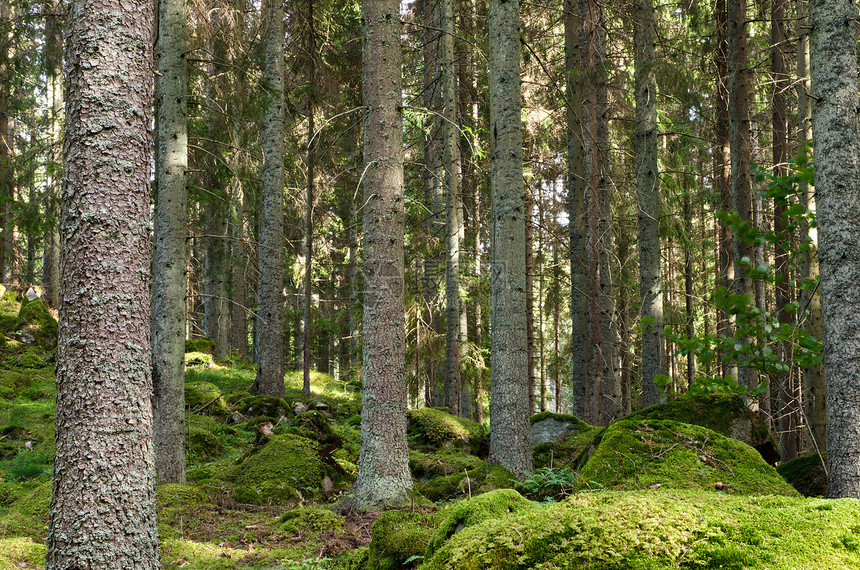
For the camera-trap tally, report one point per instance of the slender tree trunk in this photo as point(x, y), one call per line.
point(54, 90)
point(453, 348)
point(383, 471)
point(509, 405)
point(171, 215)
point(810, 302)
point(648, 192)
point(270, 318)
point(837, 146)
point(530, 300)
point(573, 63)
point(103, 504)
point(541, 288)
point(741, 155)
point(309, 209)
point(7, 142)
point(688, 280)
point(723, 176)
point(240, 259)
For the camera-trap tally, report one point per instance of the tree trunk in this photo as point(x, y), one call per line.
point(453, 348)
point(168, 278)
point(509, 406)
point(648, 192)
point(813, 378)
point(7, 140)
point(54, 89)
point(383, 471)
point(240, 259)
point(309, 210)
point(530, 300)
point(103, 504)
point(837, 146)
point(270, 298)
point(573, 64)
point(741, 156)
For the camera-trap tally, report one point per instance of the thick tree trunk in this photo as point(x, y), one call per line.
point(270, 318)
point(383, 471)
point(168, 279)
point(103, 505)
point(648, 192)
point(453, 349)
point(576, 211)
point(509, 405)
point(54, 18)
point(741, 155)
point(837, 146)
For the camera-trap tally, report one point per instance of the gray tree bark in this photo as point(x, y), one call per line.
point(270, 298)
point(103, 504)
point(453, 347)
point(54, 18)
point(837, 179)
point(648, 192)
point(168, 278)
point(307, 325)
point(576, 211)
point(509, 405)
point(383, 469)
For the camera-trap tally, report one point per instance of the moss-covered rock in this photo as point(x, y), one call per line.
point(435, 429)
point(203, 436)
point(268, 406)
point(806, 474)
point(399, 536)
point(34, 319)
point(285, 471)
point(205, 398)
point(426, 466)
point(634, 455)
point(203, 344)
point(492, 505)
point(548, 427)
point(310, 521)
point(654, 530)
point(726, 414)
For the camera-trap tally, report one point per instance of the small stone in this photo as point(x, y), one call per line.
point(32, 294)
point(299, 408)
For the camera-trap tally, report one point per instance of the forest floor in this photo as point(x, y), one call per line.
point(266, 477)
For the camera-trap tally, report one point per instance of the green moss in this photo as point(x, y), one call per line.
point(572, 452)
point(198, 359)
point(189, 555)
point(497, 478)
point(578, 423)
point(35, 319)
point(492, 505)
point(176, 505)
point(310, 521)
point(426, 466)
point(28, 515)
point(399, 536)
point(286, 470)
point(269, 406)
point(635, 455)
point(352, 560)
point(439, 430)
point(21, 552)
point(205, 397)
point(204, 345)
point(657, 530)
point(806, 474)
point(203, 436)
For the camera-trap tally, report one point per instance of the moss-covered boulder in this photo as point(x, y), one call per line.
point(493, 505)
point(268, 406)
point(434, 429)
point(286, 471)
point(34, 321)
point(653, 530)
point(204, 436)
point(426, 466)
point(482, 479)
point(806, 474)
point(638, 454)
point(726, 414)
point(547, 427)
point(205, 398)
point(203, 344)
point(310, 521)
point(399, 540)
point(572, 451)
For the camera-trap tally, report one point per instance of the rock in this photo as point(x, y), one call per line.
point(547, 427)
point(299, 408)
point(32, 295)
point(286, 471)
point(35, 323)
point(434, 429)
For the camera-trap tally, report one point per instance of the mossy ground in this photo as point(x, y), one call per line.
point(262, 480)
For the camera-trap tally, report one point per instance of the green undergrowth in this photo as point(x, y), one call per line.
point(806, 474)
point(663, 529)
